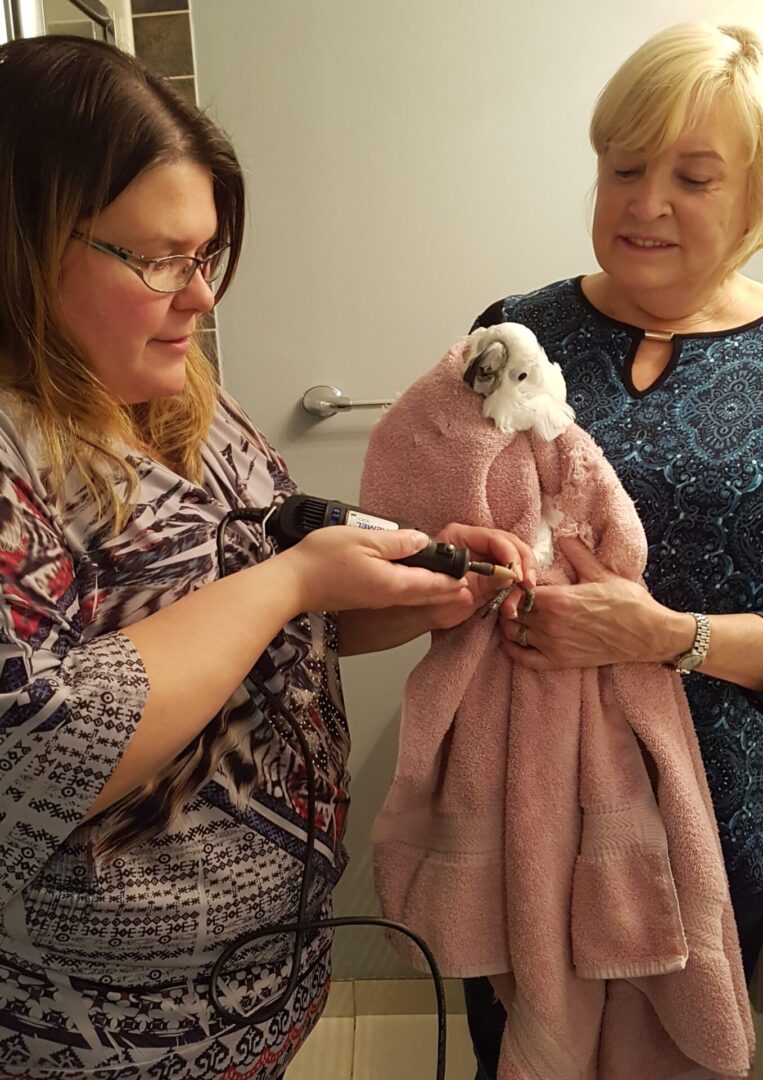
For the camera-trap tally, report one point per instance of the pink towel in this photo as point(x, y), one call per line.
point(552, 829)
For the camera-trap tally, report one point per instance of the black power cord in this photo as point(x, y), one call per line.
point(302, 924)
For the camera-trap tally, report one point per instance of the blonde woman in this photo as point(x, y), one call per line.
point(150, 812)
point(662, 351)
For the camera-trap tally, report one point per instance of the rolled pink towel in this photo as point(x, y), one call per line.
point(552, 825)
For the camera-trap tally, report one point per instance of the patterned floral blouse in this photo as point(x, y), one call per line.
point(104, 962)
point(689, 451)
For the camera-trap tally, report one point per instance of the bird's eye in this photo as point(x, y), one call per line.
point(518, 376)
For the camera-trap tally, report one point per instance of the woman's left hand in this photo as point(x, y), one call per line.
point(602, 619)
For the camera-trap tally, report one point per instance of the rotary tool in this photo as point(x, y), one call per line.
point(299, 515)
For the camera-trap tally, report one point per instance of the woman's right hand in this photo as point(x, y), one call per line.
point(343, 568)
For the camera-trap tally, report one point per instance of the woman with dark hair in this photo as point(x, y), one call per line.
point(150, 812)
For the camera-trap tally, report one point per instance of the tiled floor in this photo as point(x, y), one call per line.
point(757, 1072)
point(378, 1030)
point(328, 1052)
point(382, 1046)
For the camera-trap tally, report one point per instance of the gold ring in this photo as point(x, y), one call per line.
point(522, 637)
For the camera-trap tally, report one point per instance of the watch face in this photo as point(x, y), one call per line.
point(689, 662)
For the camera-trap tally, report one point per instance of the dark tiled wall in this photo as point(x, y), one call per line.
point(148, 7)
point(162, 30)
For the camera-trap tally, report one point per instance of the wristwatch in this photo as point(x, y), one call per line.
point(697, 654)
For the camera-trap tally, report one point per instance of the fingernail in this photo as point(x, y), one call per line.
point(532, 577)
point(420, 538)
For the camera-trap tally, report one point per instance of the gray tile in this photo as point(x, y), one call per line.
point(163, 43)
point(81, 28)
point(405, 997)
point(341, 1000)
point(145, 7)
point(186, 84)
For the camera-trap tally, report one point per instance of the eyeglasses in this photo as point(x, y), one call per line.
point(170, 274)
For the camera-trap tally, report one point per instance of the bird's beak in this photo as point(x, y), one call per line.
point(472, 371)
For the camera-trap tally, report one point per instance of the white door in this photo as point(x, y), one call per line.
point(409, 162)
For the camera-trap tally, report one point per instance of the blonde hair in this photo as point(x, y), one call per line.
point(80, 121)
point(671, 82)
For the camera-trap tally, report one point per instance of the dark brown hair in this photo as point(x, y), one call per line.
point(80, 120)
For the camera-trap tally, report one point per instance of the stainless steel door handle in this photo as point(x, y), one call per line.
point(328, 400)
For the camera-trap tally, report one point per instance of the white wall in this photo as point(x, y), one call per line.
point(409, 162)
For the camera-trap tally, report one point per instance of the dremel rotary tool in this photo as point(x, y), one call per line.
point(299, 515)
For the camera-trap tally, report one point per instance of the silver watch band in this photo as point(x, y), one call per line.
point(697, 654)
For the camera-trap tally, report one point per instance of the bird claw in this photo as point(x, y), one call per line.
point(496, 602)
point(527, 601)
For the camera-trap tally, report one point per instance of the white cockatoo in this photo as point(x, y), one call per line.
point(523, 390)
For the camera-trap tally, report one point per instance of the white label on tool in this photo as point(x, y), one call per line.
point(368, 521)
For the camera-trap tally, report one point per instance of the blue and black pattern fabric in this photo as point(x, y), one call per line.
point(689, 450)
